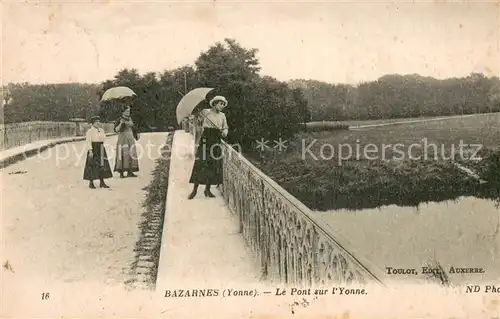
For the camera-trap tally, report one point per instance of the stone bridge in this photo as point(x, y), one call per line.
point(55, 229)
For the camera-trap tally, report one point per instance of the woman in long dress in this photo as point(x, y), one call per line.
point(126, 151)
point(207, 168)
point(96, 164)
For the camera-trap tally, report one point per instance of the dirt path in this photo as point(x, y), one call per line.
point(55, 229)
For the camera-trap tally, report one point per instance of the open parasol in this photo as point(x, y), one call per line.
point(190, 101)
point(118, 92)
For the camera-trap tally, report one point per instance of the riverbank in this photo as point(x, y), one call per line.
point(364, 168)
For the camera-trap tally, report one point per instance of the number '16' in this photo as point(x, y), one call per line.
point(45, 295)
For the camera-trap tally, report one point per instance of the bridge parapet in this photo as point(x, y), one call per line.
point(19, 134)
point(292, 245)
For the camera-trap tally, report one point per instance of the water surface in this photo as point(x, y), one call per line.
point(461, 233)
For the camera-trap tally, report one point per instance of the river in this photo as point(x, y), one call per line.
point(462, 233)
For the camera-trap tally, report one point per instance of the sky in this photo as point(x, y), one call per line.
point(336, 42)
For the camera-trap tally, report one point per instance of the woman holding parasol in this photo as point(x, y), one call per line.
point(126, 154)
point(207, 168)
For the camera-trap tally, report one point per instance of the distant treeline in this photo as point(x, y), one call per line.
point(397, 96)
point(61, 102)
point(48, 102)
point(259, 106)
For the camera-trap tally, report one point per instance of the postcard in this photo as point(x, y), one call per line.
point(250, 159)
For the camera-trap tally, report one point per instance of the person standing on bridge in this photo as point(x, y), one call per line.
point(126, 153)
point(97, 164)
point(207, 168)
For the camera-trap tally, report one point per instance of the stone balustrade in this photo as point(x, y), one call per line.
point(291, 245)
point(18, 134)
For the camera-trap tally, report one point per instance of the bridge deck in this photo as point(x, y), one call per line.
point(55, 231)
point(201, 245)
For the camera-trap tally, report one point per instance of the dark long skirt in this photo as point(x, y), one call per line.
point(97, 166)
point(207, 167)
point(126, 152)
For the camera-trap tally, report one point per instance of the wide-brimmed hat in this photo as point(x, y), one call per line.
point(218, 98)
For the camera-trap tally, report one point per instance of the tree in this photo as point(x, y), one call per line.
point(223, 66)
point(48, 102)
point(258, 107)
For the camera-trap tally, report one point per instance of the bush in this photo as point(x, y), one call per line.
point(259, 107)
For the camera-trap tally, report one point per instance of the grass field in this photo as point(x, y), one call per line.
point(381, 166)
point(481, 129)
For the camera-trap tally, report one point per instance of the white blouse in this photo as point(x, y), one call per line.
point(94, 134)
point(212, 119)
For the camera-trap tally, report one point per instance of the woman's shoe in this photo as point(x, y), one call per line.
point(91, 185)
point(121, 175)
point(130, 174)
point(192, 195)
point(103, 185)
point(209, 194)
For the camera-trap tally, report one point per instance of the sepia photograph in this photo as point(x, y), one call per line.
point(250, 159)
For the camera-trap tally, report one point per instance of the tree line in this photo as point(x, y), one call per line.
point(397, 96)
point(259, 106)
point(24, 102)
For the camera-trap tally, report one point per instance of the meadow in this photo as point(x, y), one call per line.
point(404, 164)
